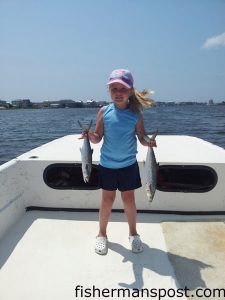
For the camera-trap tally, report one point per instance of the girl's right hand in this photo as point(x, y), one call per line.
point(83, 135)
point(94, 137)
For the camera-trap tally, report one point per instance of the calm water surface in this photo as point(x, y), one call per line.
point(23, 130)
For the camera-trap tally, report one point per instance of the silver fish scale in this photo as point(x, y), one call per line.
point(86, 155)
point(86, 151)
point(150, 174)
point(151, 168)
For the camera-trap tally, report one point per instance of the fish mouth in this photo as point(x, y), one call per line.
point(150, 192)
point(86, 179)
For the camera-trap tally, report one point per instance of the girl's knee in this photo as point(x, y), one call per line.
point(108, 196)
point(127, 195)
point(108, 200)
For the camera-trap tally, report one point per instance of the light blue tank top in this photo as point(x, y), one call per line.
point(119, 147)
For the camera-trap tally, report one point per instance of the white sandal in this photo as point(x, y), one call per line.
point(101, 245)
point(136, 243)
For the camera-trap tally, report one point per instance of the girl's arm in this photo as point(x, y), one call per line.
point(96, 136)
point(141, 133)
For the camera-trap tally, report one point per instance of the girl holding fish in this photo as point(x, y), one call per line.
point(118, 124)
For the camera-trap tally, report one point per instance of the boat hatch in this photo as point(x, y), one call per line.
point(68, 176)
point(186, 178)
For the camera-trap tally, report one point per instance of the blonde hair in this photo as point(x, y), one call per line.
point(139, 101)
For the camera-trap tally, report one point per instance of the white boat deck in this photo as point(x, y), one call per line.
point(50, 254)
point(47, 254)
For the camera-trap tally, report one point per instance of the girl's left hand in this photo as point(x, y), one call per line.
point(152, 143)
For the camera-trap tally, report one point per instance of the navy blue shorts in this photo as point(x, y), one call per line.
point(123, 179)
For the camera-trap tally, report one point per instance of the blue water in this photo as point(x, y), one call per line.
point(23, 130)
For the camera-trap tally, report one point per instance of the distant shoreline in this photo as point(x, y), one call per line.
point(27, 104)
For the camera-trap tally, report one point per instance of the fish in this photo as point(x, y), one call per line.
point(151, 168)
point(86, 153)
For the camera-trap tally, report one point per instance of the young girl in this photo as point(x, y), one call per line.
point(119, 123)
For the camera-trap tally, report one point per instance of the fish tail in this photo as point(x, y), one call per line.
point(81, 126)
point(83, 135)
point(152, 138)
point(90, 124)
point(154, 135)
point(84, 129)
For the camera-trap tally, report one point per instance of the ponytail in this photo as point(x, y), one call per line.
point(139, 101)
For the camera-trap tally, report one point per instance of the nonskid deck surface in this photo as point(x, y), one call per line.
point(50, 255)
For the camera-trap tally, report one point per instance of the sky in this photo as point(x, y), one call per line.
point(66, 49)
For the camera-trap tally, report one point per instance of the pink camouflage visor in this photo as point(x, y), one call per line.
point(121, 76)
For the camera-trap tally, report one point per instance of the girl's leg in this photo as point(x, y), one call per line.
point(131, 214)
point(108, 198)
point(130, 210)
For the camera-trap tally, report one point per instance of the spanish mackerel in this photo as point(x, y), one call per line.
point(151, 168)
point(86, 153)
